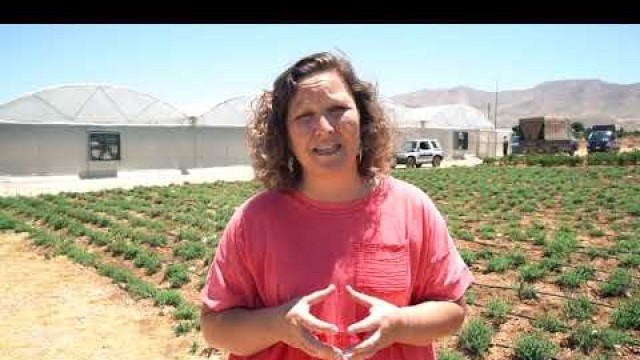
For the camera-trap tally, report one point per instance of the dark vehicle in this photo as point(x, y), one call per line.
point(516, 147)
point(603, 138)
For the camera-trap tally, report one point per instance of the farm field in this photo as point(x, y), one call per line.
point(555, 251)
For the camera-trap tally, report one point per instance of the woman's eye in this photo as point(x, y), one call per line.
point(339, 109)
point(304, 117)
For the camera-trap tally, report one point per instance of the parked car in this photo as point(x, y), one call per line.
point(416, 152)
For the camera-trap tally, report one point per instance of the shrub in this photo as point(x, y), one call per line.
point(579, 308)
point(526, 291)
point(186, 312)
point(190, 250)
point(475, 337)
point(177, 275)
point(444, 354)
point(627, 315)
point(549, 322)
point(583, 337)
point(534, 347)
point(497, 310)
point(168, 297)
point(617, 284)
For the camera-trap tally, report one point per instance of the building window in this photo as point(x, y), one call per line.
point(104, 146)
point(461, 140)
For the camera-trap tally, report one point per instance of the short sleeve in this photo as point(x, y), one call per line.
point(230, 282)
point(441, 273)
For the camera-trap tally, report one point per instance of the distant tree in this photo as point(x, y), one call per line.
point(577, 127)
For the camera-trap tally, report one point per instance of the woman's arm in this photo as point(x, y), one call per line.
point(421, 324)
point(240, 331)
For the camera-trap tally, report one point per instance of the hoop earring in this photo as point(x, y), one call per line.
point(290, 164)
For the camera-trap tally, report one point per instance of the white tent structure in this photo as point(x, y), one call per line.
point(228, 121)
point(236, 111)
point(455, 116)
point(461, 129)
point(95, 130)
point(90, 105)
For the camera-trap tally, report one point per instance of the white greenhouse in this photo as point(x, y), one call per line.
point(461, 129)
point(98, 130)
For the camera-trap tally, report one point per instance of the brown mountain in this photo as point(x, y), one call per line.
point(588, 101)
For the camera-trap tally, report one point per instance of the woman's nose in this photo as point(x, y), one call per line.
point(324, 124)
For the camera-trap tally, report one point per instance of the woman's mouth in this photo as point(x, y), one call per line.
point(327, 150)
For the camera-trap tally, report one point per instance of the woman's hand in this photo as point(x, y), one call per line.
point(383, 321)
point(297, 326)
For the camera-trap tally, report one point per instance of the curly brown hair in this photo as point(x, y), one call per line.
point(273, 161)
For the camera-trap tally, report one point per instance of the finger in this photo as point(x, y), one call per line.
point(317, 348)
point(362, 299)
point(370, 323)
point(317, 296)
point(367, 348)
point(312, 323)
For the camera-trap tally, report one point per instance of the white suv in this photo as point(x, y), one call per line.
point(416, 152)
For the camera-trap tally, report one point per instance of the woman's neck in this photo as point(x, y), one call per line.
point(336, 190)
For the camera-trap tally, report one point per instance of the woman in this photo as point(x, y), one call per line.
point(336, 259)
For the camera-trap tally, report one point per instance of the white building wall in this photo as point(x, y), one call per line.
point(34, 149)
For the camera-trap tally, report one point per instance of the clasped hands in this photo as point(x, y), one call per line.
point(298, 326)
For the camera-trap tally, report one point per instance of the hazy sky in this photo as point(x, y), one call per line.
point(195, 67)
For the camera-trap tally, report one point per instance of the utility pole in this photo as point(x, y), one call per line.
point(495, 110)
point(495, 122)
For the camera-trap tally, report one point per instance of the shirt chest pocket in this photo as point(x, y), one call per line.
point(382, 270)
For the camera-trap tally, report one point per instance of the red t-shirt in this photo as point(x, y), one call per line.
point(392, 244)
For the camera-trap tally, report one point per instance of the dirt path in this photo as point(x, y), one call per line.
point(56, 309)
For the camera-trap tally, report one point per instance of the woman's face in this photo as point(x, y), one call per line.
point(323, 125)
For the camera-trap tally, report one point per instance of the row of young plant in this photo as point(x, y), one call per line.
point(486, 231)
point(187, 314)
point(629, 158)
point(625, 248)
point(186, 243)
point(619, 281)
point(111, 240)
point(475, 338)
point(141, 289)
point(486, 196)
point(214, 202)
point(510, 194)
